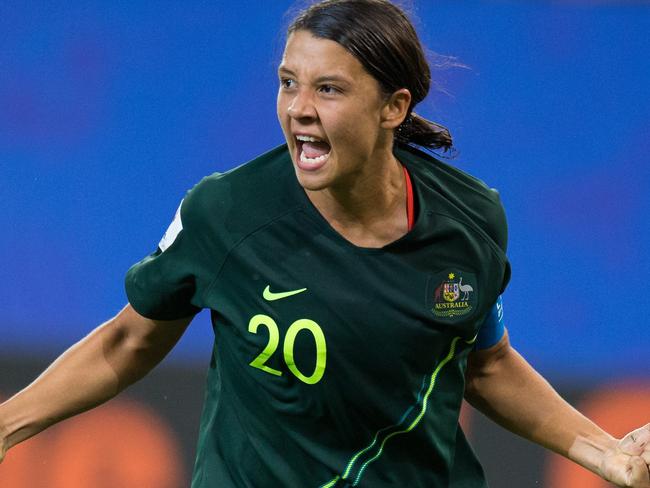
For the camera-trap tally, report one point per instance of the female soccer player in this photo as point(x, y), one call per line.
point(354, 283)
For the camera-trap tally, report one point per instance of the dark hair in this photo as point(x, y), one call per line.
point(379, 34)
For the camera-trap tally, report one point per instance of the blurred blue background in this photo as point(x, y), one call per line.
point(110, 111)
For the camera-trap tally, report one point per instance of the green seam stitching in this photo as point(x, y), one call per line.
point(356, 456)
point(416, 421)
point(329, 484)
point(434, 375)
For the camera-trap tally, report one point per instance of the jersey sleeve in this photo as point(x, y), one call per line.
point(169, 283)
point(492, 329)
point(497, 228)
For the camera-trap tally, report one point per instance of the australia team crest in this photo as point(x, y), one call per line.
point(454, 294)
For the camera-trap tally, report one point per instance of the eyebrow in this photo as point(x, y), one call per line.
point(321, 79)
point(283, 68)
point(330, 78)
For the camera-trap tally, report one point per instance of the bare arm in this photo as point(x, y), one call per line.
point(502, 385)
point(113, 356)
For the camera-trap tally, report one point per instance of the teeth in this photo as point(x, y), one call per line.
point(317, 160)
point(307, 139)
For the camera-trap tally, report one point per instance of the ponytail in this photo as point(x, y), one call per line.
point(422, 132)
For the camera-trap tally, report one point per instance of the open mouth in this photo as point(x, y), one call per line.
point(312, 152)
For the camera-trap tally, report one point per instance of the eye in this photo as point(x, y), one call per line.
point(329, 89)
point(287, 83)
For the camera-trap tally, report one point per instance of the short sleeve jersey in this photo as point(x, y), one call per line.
point(333, 365)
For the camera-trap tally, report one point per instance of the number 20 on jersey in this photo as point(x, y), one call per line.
point(294, 329)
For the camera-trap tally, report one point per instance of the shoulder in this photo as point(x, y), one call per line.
point(466, 196)
point(243, 197)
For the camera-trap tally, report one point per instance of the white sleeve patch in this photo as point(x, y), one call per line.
point(173, 230)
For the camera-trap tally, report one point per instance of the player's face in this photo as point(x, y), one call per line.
point(330, 110)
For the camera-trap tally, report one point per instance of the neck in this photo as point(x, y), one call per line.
point(370, 209)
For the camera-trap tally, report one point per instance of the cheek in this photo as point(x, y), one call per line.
point(281, 108)
point(279, 111)
point(341, 126)
point(359, 132)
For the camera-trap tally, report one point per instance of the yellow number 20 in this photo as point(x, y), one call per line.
point(289, 341)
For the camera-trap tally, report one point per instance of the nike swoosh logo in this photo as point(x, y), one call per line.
point(270, 296)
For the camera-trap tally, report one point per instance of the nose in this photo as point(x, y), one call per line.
point(302, 107)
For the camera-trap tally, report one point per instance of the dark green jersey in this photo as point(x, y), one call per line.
point(333, 365)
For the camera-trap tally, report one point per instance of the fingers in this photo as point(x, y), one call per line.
point(637, 443)
point(640, 443)
point(644, 439)
point(645, 452)
point(639, 476)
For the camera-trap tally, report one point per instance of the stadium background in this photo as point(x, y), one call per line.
point(110, 111)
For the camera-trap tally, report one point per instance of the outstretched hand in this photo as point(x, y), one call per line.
point(628, 464)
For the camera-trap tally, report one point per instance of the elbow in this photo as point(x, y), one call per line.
point(474, 386)
point(119, 340)
point(126, 350)
point(483, 370)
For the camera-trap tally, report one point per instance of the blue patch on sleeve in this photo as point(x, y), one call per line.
point(492, 329)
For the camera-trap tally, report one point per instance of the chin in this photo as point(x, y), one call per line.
point(311, 181)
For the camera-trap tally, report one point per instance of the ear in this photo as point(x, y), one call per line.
point(395, 109)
